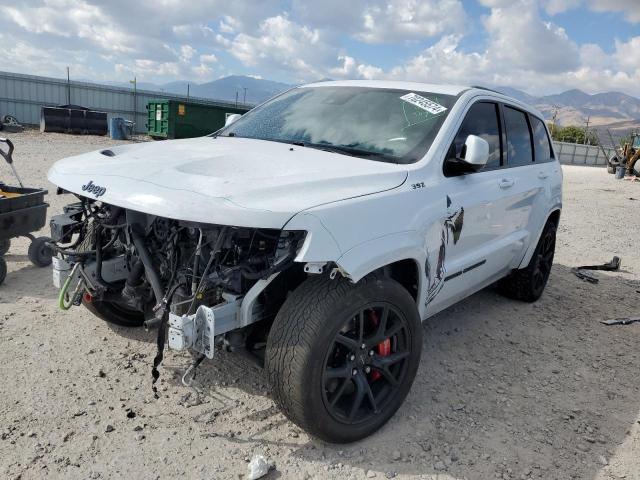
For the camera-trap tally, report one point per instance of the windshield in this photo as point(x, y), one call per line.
point(378, 124)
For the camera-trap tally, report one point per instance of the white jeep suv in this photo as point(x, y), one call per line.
point(315, 233)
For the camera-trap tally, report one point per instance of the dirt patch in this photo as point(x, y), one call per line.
point(505, 389)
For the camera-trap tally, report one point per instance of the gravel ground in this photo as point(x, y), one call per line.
point(505, 389)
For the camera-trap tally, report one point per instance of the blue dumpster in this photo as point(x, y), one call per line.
point(117, 129)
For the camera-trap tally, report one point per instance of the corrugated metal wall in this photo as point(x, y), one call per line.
point(576, 154)
point(24, 95)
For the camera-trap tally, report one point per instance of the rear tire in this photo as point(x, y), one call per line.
point(116, 314)
point(3, 269)
point(322, 377)
point(5, 245)
point(527, 284)
point(39, 253)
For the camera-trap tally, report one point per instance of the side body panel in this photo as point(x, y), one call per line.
point(420, 220)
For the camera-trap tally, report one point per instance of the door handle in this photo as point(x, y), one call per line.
point(542, 175)
point(506, 183)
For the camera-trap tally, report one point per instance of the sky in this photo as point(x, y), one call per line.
point(539, 46)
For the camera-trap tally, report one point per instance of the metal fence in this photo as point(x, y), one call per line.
point(576, 154)
point(23, 96)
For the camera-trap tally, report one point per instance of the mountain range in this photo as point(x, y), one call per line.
point(257, 89)
point(574, 107)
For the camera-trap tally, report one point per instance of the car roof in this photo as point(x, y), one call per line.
point(400, 85)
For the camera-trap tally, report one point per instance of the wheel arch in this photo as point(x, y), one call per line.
point(553, 215)
point(406, 272)
point(400, 257)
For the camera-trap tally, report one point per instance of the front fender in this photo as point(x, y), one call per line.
point(319, 244)
point(373, 254)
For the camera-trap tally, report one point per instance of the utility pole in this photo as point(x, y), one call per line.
point(187, 92)
point(135, 98)
point(68, 88)
point(236, 98)
point(586, 131)
point(244, 99)
point(553, 120)
point(613, 144)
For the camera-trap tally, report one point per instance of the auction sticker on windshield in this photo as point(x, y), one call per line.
point(423, 103)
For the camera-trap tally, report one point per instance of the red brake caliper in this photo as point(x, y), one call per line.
point(383, 348)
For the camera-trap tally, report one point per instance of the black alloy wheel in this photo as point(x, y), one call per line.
point(366, 364)
point(341, 357)
point(544, 260)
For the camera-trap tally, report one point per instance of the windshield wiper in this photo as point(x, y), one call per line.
point(351, 151)
point(329, 147)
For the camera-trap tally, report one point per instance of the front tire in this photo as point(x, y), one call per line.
point(5, 245)
point(342, 357)
point(3, 269)
point(114, 313)
point(527, 284)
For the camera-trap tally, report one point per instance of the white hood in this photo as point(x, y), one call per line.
point(229, 181)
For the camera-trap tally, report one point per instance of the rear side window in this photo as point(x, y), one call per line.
point(541, 144)
point(519, 150)
point(481, 120)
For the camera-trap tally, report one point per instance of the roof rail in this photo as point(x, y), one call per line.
point(488, 89)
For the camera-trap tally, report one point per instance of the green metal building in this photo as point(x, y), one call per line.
point(178, 119)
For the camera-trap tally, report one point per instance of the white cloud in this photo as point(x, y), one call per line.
point(208, 58)
point(518, 36)
point(72, 19)
point(229, 24)
point(193, 31)
point(352, 69)
point(338, 15)
point(283, 45)
point(187, 52)
point(149, 68)
point(401, 20)
point(628, 53)
point(444, 63)
point(553, 7)
point(378, 21)
point(592, 55)
point(630, 8)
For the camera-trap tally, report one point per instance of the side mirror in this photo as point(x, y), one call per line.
point(475, 152)
point(231, 118)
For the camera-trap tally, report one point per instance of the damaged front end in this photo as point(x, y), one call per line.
point(206, 283)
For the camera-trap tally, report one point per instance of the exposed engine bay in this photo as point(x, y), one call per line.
point(134, 269)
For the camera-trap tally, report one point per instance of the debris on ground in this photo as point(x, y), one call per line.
point(621, 321)
point(258, 467)
point(610, 266)
point(10, 124)
point(584, 275)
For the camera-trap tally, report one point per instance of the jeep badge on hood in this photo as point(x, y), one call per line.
point(95, 190)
